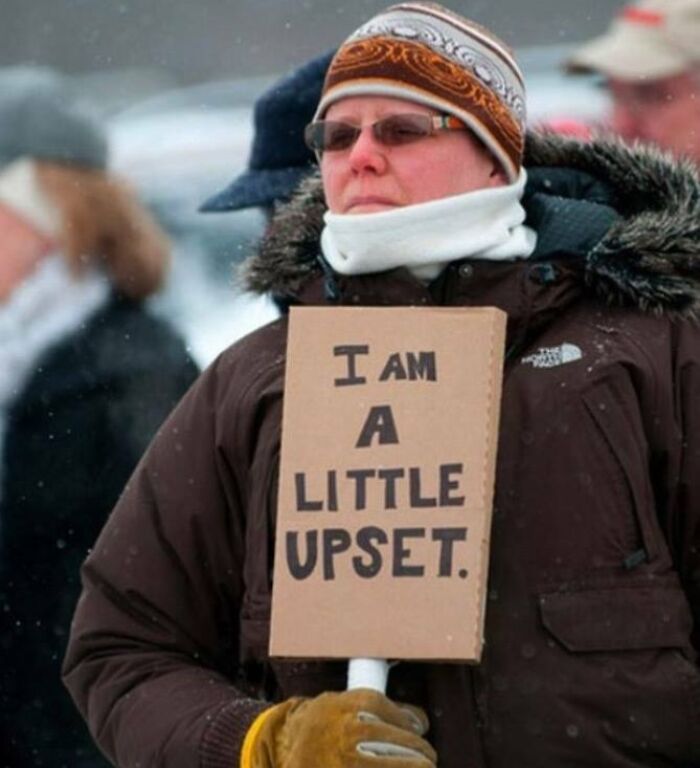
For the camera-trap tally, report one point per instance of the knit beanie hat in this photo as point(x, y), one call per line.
point(41, 118)
point(430, 55)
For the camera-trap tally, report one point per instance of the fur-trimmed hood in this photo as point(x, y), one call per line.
point(633, 214)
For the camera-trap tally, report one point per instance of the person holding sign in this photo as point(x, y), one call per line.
point(431, 194)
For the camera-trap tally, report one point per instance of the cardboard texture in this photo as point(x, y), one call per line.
point(389, 438)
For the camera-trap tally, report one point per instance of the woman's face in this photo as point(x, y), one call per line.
point(369, 177)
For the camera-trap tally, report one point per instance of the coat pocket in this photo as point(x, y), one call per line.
point(628, 658)
point(619, 619)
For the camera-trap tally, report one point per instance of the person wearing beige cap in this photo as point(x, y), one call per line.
point(430, 192)
point(650, 57)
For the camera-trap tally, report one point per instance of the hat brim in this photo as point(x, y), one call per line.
point(256, 189)
point(629, 52)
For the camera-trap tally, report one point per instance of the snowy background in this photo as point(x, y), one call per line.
point(176, 82)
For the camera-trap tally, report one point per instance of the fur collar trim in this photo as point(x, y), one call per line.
point(649, 257)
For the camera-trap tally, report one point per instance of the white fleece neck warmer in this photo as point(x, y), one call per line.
point(484, 224)
point(45, 308)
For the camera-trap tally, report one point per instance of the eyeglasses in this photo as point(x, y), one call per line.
point(392, 131)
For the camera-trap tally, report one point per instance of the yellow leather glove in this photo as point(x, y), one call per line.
point(353, 729)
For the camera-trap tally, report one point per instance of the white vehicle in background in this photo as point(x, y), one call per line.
point(555, 97)
point(181, 146)
point(177, 149)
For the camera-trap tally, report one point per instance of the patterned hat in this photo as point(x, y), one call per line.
point(427, 54)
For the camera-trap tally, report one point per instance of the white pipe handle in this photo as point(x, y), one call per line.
point(368, 673)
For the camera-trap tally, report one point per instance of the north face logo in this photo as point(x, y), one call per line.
point(551, 357)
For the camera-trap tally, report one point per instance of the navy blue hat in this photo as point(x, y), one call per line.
point(279, 159)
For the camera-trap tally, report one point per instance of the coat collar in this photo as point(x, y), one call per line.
point(627, 216)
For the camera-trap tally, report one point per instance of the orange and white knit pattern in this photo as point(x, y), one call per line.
point(430, 55)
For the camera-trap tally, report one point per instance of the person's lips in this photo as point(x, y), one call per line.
point(368, 204)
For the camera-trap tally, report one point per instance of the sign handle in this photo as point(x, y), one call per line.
point(368, 673)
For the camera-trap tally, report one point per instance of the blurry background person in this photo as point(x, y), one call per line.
point(650, 59)
point(86, 377)
point(279, 158)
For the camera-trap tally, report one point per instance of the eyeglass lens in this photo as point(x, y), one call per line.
point(332, 135)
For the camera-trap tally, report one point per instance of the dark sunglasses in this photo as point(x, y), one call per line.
point(392, 131)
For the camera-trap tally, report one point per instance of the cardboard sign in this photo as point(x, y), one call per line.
point(389, 438)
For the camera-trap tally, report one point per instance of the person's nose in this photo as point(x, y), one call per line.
point(367, 155)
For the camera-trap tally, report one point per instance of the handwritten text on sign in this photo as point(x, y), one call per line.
point(379, 488)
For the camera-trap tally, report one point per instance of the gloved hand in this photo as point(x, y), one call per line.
point(354, 729)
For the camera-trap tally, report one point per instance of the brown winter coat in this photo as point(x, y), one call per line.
point(595, 573)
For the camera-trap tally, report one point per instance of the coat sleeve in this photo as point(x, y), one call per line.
point(152, 659)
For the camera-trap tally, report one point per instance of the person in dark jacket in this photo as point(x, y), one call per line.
point(593, 616)
point(87, 375)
